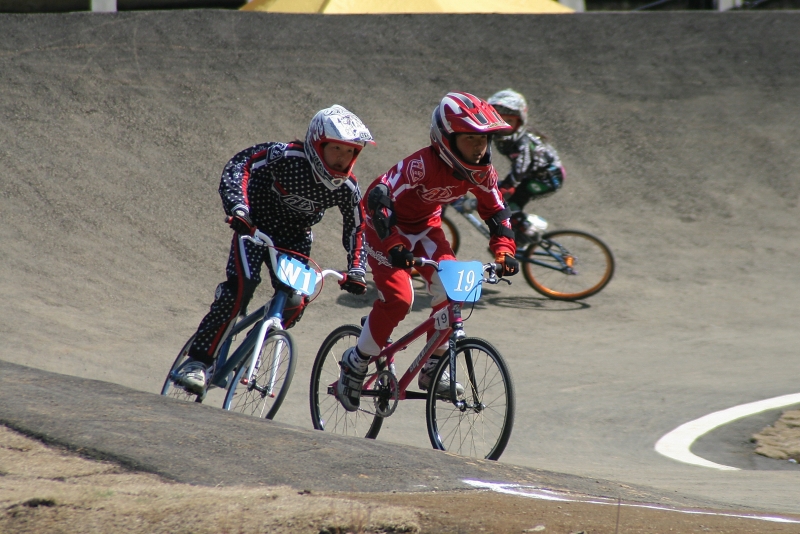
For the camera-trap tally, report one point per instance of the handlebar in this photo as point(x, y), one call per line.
point(491, 267)
point(336, 274)
point(261, 239)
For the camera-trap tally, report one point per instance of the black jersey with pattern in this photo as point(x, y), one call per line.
point(532, 159)
point(275, 183)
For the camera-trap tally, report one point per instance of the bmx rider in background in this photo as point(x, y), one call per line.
point(536, 169)
point(283, 189)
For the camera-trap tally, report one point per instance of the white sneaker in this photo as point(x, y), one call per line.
point(443, 387)
point(192, 376)
point(351, 379)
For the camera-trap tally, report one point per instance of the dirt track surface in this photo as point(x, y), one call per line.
point(678, 133)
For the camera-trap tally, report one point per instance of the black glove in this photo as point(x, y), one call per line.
point(354, 283)
point(509, 266)
point(241, 222)
point(402, 258)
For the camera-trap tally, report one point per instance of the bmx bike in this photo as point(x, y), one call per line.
point(258, 373)
point(561, 265)
point(476, 422)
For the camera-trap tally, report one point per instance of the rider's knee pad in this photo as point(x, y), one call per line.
point(293, 310)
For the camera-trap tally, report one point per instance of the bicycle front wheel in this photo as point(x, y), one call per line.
point(568, 265)
point(261, 392)
point(327, 413)
point(479, 422)
point(170, 389)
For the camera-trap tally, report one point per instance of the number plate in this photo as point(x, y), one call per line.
point(442, 319)
point(462, 279)
point(296, 275)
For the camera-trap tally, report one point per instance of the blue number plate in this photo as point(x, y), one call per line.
point(462, 279)
point(296, 275)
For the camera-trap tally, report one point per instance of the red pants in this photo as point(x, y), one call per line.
point(395, 292)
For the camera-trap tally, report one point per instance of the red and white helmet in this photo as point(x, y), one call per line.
point(334, 125)
point(465, 113)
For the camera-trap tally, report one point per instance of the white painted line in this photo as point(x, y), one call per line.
point(677, 443)
point(534, 492)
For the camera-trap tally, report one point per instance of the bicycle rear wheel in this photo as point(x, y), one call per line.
point(568, 265)
point(479, 423)
point(170, 389)
point(451, 232)
point(262, 394)
point(327, 413)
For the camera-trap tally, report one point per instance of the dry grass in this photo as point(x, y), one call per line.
point(50, 490)
point(47, 490)
point(781, 441)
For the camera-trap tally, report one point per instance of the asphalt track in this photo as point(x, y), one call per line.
point(678, 132)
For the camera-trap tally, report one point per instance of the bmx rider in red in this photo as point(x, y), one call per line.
point(403, 220)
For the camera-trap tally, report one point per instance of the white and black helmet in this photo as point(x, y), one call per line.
point(334, 125)
point(510, 102)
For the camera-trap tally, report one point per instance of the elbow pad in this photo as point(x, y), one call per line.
point(496, 226)
point(380, 207)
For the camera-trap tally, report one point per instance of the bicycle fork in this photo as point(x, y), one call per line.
point(272, 320)
point(458, 333)
point(275, 363)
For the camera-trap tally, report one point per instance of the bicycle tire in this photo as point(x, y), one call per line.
point(451, 233)
point(591, 271)
point(169, 389)
point(257, 398)
point(483, 428)
point(327, 413)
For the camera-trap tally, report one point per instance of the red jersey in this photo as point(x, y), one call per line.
point(418, 187)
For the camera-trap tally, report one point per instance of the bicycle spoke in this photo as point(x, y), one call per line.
point(327, 413)
point(482, 427)
point(568, 265)
point(261, 394)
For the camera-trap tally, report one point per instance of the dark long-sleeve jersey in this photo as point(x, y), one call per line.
point(275, 183)
point(533, 162)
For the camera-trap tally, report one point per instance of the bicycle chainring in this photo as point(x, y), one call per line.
point(388, 394)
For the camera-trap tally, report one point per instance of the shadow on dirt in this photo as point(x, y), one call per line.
point(490, 297)
point(536, 303)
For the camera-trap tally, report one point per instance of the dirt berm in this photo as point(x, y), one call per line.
point(679, 135)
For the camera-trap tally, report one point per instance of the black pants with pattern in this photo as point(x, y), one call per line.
point(234, 294)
